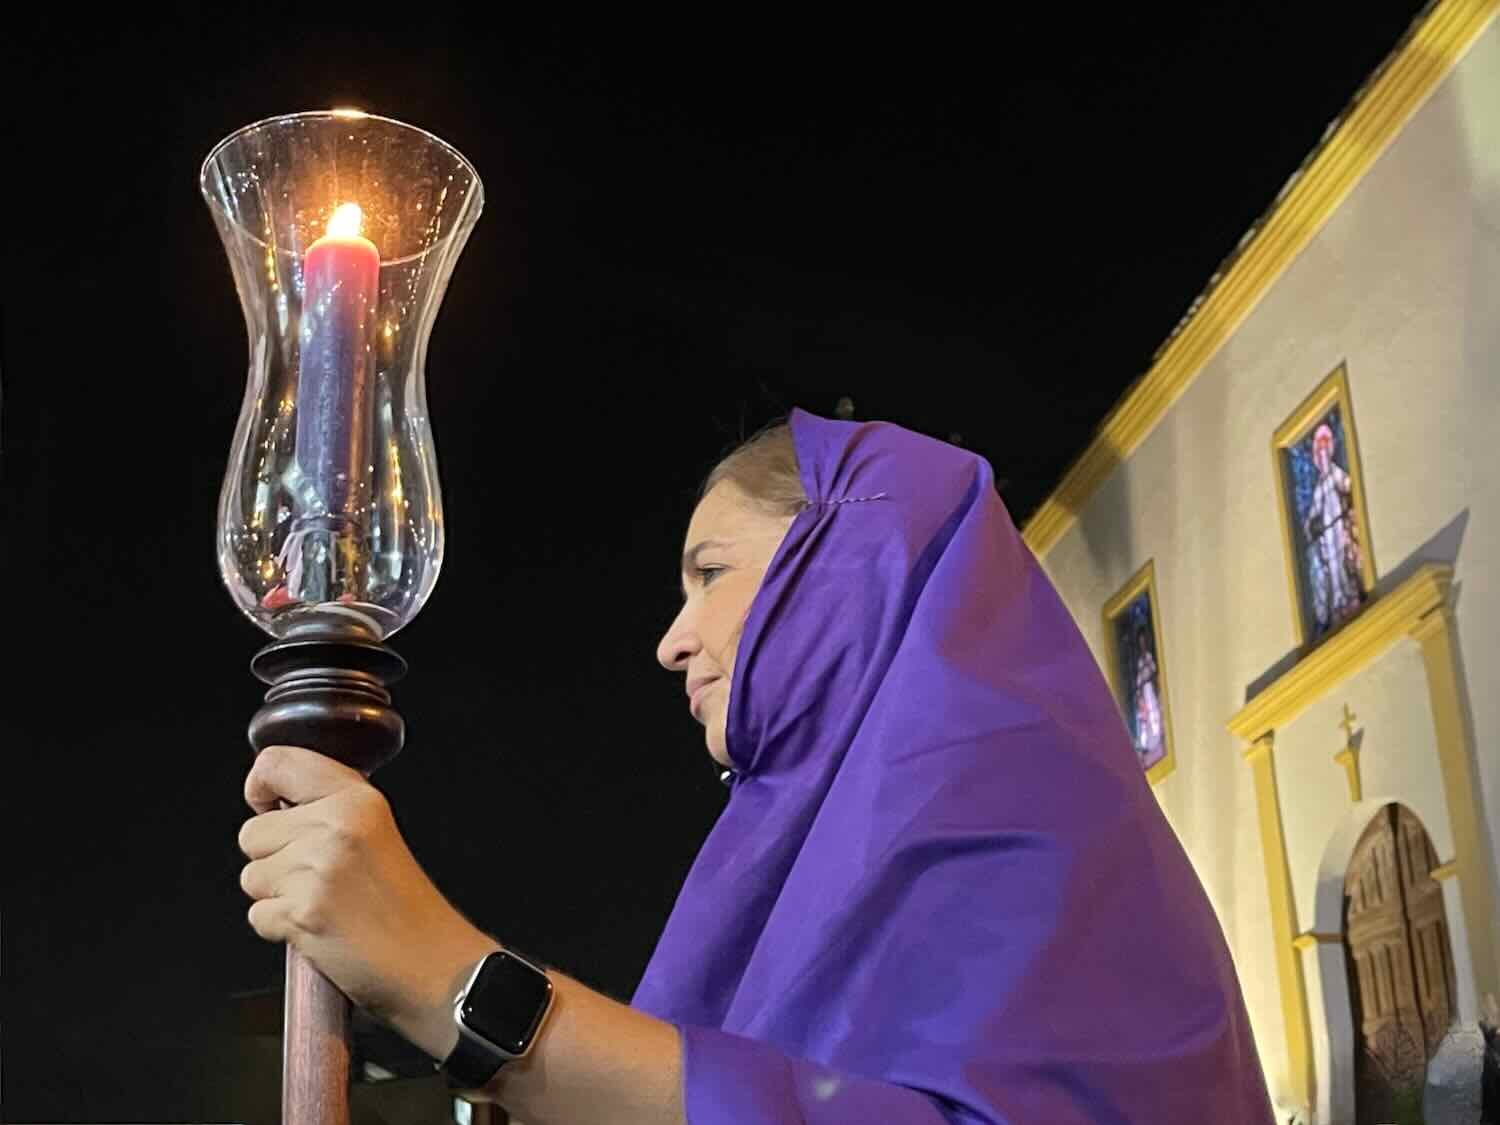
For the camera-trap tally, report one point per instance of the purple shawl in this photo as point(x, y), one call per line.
point(941, 890)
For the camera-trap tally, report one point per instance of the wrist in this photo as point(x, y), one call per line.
point(427, 1022)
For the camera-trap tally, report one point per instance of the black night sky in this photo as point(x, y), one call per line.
point(979, 230)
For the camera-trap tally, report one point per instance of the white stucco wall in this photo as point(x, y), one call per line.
point(1403, 284)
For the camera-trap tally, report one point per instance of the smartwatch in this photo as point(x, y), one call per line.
point(499, 1013)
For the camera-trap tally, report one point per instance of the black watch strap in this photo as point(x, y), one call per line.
point(471, 1065)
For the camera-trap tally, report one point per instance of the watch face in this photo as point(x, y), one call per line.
point(506, 1002)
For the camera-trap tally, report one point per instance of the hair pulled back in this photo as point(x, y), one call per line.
point(764, 468)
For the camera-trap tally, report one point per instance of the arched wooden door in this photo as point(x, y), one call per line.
point(1400, 965)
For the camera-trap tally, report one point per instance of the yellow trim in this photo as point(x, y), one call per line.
point(1283, 921)
point(1332, 391)
point(1456, 760)
point(1445, 870)
point(1309, 938)
point(1348, 757)
point(1372, 122)
point(1386, 620)
point(1143, 579)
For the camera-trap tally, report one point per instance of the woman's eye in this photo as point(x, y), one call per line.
point(706, 574)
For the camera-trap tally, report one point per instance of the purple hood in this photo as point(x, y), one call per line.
point(941, 889)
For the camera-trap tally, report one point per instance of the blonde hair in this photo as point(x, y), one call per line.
point(764, 468)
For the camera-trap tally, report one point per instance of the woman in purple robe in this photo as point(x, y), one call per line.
point(941, 890)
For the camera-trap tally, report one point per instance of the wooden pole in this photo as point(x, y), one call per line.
point(328, 678)
point(314, 1047)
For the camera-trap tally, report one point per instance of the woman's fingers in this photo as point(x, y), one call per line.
point(346, 814)
point(331, 877)
point(304, 859)
point(295, 775)
point(268, 877)
point(297, 908)
point(268, 919)
point(269, 832)
point(291, 917)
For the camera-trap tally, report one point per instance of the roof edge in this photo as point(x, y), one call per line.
point(1352, 143)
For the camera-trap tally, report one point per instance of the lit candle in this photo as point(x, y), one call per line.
point(341, 275)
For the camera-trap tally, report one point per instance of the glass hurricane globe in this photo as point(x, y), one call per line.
point(342, 230)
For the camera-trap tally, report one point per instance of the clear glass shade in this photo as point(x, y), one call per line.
point(342, 231)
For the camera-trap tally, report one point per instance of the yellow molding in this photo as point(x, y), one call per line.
point(1372, 122)
point(1472, 862)
point(1300, 1076)
point(1309, 938)
point(1384, 621)
point(1445, 870)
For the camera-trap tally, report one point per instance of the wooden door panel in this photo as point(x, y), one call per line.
point(1400, 963)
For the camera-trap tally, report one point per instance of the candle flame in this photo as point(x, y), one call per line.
point(346, 221)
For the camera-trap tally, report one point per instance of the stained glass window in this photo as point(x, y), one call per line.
point(1138, 671)
point(1324, 525)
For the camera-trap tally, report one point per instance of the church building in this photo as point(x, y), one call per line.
point(1283, 546)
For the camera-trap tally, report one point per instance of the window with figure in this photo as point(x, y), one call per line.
point(1138, 670)
point(1323, 511)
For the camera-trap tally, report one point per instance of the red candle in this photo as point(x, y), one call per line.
point(341, 275)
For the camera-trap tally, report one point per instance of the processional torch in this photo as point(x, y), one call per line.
point(342, 231)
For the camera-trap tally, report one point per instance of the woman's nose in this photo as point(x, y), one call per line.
point(678, 643)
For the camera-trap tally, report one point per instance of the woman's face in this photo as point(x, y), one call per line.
point(728, 547)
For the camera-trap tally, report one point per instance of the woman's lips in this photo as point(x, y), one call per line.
point(695, 704)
